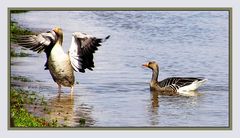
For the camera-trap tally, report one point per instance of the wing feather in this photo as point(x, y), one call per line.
point(38, 42)
point(82, 49)
point(178, 81)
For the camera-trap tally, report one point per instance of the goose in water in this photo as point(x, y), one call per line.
point(173, 85)
point(62, 65)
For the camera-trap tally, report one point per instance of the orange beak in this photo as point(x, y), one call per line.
point(145, 65)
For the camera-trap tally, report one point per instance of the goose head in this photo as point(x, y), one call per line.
point(151, 64)
point(59, 34)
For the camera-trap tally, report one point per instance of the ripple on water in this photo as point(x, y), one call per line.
point(116, 93)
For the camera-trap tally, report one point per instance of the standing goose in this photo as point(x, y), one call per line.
point(173, 85)
point(61, 65)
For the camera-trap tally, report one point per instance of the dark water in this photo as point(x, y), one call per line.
point(116, 93)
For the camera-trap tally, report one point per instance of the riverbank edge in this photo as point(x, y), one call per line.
point(18, 113)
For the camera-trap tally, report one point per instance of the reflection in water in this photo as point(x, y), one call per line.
point(63, 110)
point(186, 102)
point(191, 93)
point(154, 108)
point(155, 103)
point(124, 102)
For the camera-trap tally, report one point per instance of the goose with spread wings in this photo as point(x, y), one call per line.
point(172, 85)
point(62, 65)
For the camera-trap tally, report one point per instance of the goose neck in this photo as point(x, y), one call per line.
point(155, 72)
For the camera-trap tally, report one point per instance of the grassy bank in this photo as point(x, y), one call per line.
point(19, 98)
point(30, 109)
point(20, 117)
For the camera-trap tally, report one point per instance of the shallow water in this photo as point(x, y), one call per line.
point(116, 93)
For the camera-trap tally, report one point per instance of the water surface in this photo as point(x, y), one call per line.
point(116, 93)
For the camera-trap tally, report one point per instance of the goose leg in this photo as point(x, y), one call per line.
point(71, 90)
point(59, 88)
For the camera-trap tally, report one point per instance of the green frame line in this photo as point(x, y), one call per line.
point(229, 9)
point(122, 9)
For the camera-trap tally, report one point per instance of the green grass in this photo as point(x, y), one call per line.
point(20, 117)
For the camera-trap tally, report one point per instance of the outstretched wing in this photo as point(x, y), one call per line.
point(38, 42)
point(81, 51)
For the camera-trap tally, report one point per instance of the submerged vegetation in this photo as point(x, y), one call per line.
point(21, 78)
point(16, 30)
point(13, 53)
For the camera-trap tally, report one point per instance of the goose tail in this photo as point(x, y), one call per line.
point(200, 83)
point(193, 86)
